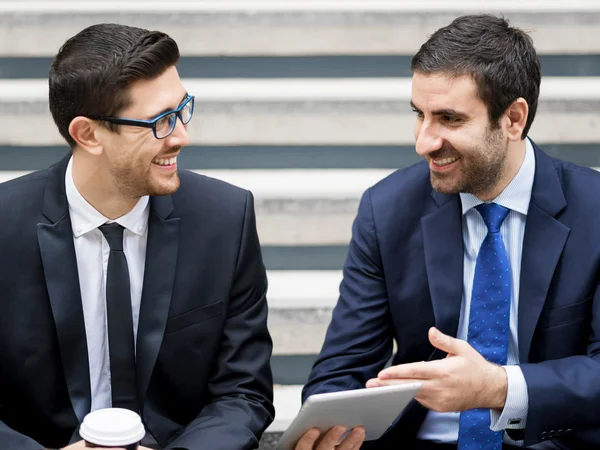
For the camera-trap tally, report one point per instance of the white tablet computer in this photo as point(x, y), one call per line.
point(374, 408)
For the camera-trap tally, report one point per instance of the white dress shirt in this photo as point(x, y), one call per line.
point(91, 251)
point(443, 427)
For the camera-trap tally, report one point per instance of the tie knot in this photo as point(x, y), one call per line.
point(113, 232)
point(493, 215)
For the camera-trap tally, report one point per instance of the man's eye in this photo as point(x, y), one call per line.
point(162, 122)
point(450, 119)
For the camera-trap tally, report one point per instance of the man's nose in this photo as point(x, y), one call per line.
point(428, 139)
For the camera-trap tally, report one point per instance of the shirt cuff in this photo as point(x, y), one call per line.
point(514, 414)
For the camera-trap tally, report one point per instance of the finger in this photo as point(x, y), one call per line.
point(411, 371)
point(358, 436)
point(446, 343)
point(354, 439)
point(307, 441)
point(373, 382)
point(331, 438)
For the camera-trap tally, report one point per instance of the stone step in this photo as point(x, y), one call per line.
point(309, 112)
point(271, 188)
point(277, 90)
point(298, 207)
point(303, 289)
point(300, 305)
point(287, 401)
point(298, 332)
point(293, 27)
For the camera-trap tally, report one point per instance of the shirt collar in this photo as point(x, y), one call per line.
point(517, 194)
point(85, 218)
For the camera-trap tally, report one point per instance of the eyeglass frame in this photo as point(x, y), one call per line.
point(152, 122)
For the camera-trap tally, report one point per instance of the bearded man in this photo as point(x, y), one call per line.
point(481, 263)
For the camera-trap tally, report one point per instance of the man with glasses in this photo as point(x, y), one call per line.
point(126, 282)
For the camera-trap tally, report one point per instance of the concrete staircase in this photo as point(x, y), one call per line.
point(306, 104)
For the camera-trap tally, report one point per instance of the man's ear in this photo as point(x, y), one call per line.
point(516, 119)
point(87, 134)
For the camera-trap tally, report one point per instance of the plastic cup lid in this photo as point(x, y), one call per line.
point(112, 427)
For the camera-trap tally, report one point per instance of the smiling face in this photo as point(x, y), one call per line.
point(138, 163)
point(465, 152)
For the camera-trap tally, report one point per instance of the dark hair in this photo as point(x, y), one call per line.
point(92, 71)
point(500, 58)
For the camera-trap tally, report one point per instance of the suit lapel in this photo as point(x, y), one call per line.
point(543, 243)
point(159, 278)
point(62, 281)
point(444, 258)
point(443, 245)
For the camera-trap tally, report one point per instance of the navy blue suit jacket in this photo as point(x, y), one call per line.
point(404, 274)
point(203, 348)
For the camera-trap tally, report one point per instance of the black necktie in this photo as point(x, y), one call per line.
point(120, 322)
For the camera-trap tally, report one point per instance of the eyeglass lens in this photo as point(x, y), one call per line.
point(166, 124)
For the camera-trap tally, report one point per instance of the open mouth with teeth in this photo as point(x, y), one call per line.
point(444, 162)
point(166, 162)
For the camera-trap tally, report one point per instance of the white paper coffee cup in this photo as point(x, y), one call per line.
point(112, 427)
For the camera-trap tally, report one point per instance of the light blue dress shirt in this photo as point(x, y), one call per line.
point(443, 427)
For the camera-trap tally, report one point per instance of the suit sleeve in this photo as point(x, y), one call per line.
point(242, 387)
point(10, 438)
point(359, 338)
point(564, 394)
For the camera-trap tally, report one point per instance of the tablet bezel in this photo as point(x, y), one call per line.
point(373, 408)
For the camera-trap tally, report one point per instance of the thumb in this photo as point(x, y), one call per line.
point(446, 343)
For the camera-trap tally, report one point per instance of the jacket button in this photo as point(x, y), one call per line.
point(543, 435)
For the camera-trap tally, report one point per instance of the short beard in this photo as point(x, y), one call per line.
point(481, 170)
point(133, 188)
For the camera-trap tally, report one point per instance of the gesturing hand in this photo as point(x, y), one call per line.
point(463, 380)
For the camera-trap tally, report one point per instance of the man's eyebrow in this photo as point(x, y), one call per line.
point(443, 112)
point(449, 112)
point(169, 109)
point(413, 106)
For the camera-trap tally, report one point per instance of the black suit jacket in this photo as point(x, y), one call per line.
point(203, 348)
point(404, 274)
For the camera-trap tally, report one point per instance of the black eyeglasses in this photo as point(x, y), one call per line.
point(162, 125)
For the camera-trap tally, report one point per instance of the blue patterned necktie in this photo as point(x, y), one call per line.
point(488, 323)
